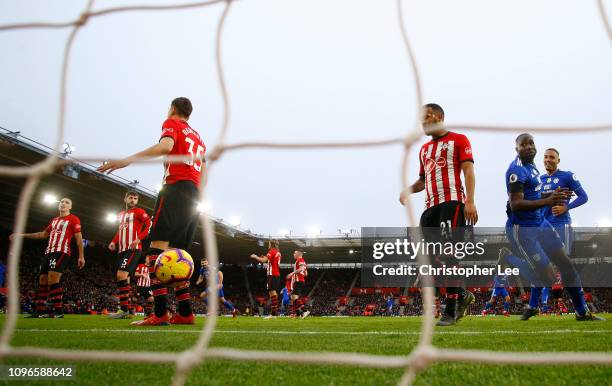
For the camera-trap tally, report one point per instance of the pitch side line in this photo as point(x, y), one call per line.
point(137, 330)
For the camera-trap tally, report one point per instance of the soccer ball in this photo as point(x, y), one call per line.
point(173, 266)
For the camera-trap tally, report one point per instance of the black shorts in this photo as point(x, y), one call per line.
point(443, 215)
point(144, 292)
point(298, 288)
point(175, 216)
point(445, 223)
point(55, 261)
point(273, 283)
point(128, 260)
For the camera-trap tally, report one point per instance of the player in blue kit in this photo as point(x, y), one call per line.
point(286, 298)
point(205, 274)
point(545, 298)
point(559, 216)
point(531, 236)
point(500, 285)
point(390, 304)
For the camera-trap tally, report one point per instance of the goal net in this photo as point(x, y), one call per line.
point(422, 356)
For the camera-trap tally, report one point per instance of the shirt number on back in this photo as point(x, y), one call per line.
point(197, 165)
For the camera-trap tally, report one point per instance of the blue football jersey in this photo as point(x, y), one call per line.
point(207, 272)
point(529, 176)
point(285, 294)
point(559, 179)
point(500, 281)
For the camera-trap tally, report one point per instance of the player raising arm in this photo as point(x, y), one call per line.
point(175, 218)
point(60, 231)
point(273, 258)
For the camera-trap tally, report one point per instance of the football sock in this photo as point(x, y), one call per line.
point(228, 305)
point(274, 305)
point(56, 297)
point(41, 298)
point(577, 296)
point(452, 296)
point(160, 296)
point(183, 297)
point(124, 294)
point(293, 306)
point(506, 306)
point(534, 298)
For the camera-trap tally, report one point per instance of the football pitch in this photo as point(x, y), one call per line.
point(373, 335)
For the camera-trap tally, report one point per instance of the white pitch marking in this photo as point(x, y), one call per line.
point(165, 330)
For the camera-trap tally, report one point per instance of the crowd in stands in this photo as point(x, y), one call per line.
point(93, 289)
point(334, 285)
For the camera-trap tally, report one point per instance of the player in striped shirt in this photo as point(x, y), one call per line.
point(175, 218)
point(298, 281)
point(60, 231)
point(143, 288)
point(134, 225)
point(447, 205)
point(273, 258)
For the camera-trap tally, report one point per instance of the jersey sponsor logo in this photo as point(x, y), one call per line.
point(513, 178)
point(430, 164)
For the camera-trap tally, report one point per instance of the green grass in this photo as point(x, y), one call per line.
point(384, 336)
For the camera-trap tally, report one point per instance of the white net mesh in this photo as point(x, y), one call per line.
point(420, 358)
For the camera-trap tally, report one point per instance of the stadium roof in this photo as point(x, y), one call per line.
point(94, 195)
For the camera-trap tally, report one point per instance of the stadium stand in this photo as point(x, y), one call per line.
point(334, 260)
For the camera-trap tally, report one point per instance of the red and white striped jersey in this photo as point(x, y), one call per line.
point(133, 224)
point(299, 263)
point(440, 165)
point(60, 230)
point(144, 280)
point(274, 258)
